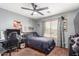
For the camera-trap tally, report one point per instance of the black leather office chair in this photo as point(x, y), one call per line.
point(11, 43)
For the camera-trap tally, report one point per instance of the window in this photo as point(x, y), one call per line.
point(47, 29)
point(51, 28)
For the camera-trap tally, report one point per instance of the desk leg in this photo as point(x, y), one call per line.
point(0, 54)
point(9, 53)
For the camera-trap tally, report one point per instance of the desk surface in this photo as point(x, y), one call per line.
point(2, 40)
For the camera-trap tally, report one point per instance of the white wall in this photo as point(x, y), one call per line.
point(70, 16)
point(7, 17)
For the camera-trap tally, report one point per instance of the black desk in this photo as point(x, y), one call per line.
point(2, 50)
point(2, 41)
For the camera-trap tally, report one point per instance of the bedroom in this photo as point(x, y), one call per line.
point(51, 23)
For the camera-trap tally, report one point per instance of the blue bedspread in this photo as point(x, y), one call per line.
point(43, 43)
point(36, 41)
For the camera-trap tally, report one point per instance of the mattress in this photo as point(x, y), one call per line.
point(43, 43)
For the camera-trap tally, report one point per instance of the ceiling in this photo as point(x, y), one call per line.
point(53, 8)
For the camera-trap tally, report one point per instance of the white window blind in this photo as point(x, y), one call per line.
point(50, 28)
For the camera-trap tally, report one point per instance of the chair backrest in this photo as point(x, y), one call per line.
point(12, 40)
point(8, 31)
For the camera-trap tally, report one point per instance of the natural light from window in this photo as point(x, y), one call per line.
point(51, 29)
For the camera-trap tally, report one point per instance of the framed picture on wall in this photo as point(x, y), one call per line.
point(65, 24)
point(17, 24)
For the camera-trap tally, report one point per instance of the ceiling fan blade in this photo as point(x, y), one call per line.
point(40, 9)
point(39, 12)
point(33, 5)
point(32, 13)
point(27, 8)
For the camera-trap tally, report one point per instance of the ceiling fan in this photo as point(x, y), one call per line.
point(35, 9)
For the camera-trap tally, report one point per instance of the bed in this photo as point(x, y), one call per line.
point(40, 43)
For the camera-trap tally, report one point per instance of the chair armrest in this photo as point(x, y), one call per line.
point(4, 44)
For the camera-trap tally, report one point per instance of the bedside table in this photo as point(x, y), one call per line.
point(22, 44)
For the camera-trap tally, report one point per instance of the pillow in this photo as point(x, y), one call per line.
point(75, 46)
point(28, 35)
point(35, 34)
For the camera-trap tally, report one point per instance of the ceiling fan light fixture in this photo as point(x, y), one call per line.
point(35, 13)
point(48, 11)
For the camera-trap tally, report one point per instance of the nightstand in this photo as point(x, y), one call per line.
point(22, 44)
